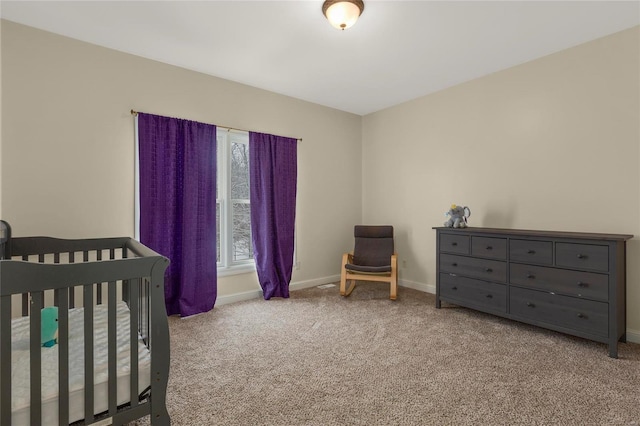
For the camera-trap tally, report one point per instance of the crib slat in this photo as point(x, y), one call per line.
point(125, 283)
point(141, 308)
point(88, 353)
point(147, 312)
point(35, 356)
point(133, 340)
point(56, 259)
point(72, 295)
point(140, 302)
point(25, 304)
point(113, 373)
point(5, 360)
point(63, 355)
point(125, 291)
point(99, 296)
point(25, 296)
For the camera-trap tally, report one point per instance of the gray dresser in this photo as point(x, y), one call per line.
point(570, 282)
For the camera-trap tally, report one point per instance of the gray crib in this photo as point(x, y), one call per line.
point(84, 279)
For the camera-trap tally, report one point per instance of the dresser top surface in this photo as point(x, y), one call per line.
point(537, 233)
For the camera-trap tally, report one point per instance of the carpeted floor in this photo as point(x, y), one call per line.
point(320, 359)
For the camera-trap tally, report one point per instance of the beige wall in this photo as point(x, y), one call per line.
point(68, 147)
point(551, 144)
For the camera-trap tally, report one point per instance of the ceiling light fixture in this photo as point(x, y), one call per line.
point(342, 14)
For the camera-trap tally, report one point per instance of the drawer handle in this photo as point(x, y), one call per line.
point(581, 284)
point(531, 276)
point(454, 244)
point(581, 315)
point(531, 305)
point(488, 270)
point(489, 248)
point(531, 252)
point(454, 288)
point(454, 264)
point(489, 296)
point(582, 256)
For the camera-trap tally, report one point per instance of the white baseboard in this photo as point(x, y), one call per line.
point(427, 288)
point(255, 294)
point(633, 336)
point(315, 282)
point(238, 297)
point(299, 285)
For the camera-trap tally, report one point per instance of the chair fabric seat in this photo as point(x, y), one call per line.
point(368, 269)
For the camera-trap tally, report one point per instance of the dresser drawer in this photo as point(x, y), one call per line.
point(587, 285)
point(583, 256)
point(452, 243)
point(477, 293)
point(577, 314)
point(491, 270)
point(529, 251)
point(495, 248)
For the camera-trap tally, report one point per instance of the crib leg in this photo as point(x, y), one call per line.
point(160, 417)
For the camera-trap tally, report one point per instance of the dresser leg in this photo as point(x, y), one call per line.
point(613, 350)
point(437, 303)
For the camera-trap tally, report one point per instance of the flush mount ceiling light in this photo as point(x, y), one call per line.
point(342, 14)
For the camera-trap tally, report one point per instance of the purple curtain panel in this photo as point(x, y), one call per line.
point(273, 170)
point(178, 205)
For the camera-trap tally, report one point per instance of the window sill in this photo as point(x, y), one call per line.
point(236, 269)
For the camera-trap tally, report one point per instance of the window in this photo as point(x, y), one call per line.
point(233, 212)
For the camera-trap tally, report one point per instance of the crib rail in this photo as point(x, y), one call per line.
point(21, 246)
point(110, 268)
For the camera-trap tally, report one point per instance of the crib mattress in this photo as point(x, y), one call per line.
point(20, 384)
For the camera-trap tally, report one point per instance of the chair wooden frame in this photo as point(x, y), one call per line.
point(353, 276)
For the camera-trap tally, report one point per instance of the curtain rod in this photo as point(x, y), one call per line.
point(230, 129)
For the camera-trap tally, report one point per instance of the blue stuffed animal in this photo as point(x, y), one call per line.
point(49, 326)
point(457, 216)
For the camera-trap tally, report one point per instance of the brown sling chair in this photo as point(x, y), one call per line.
point(373, 259)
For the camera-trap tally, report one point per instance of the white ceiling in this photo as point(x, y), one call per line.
point(397, 51)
